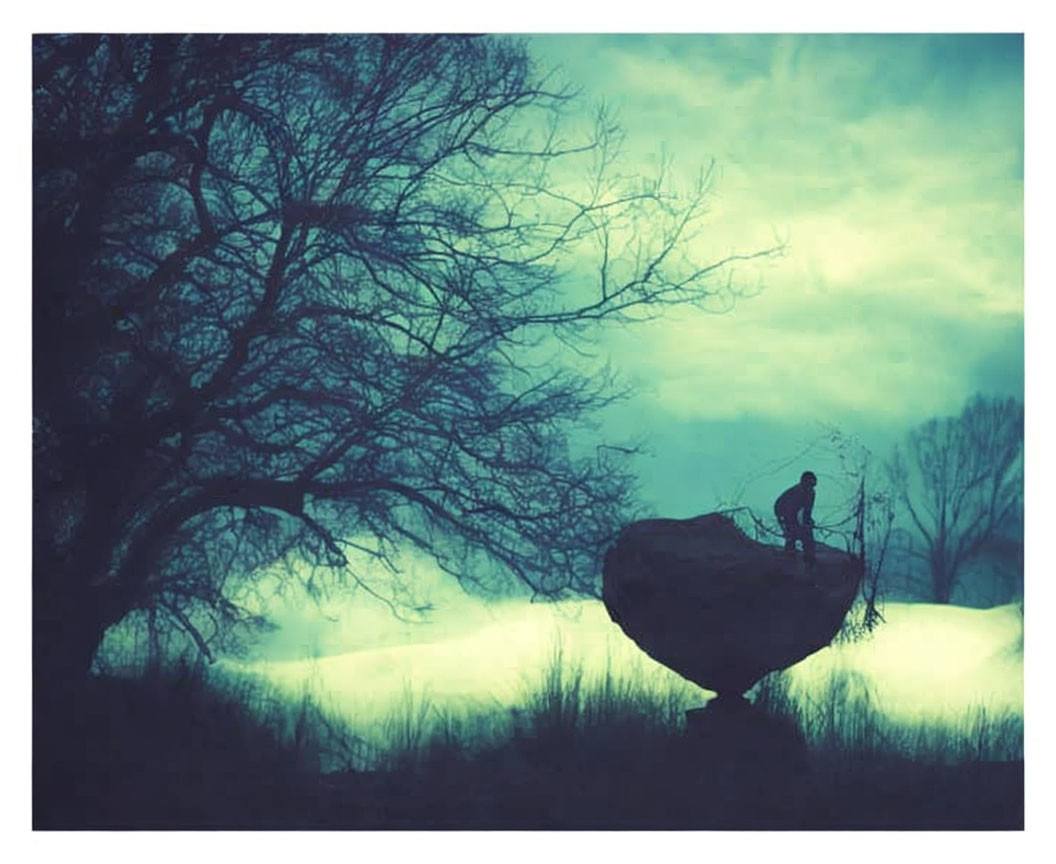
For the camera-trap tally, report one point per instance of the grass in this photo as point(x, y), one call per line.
point(564, 702)
point(843, 717)
point(194, 748)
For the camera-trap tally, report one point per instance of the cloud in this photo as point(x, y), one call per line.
point(894, 166)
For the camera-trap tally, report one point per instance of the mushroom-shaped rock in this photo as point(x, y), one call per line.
point(719, 608)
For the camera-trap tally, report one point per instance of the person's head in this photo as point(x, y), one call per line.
point(808, 479)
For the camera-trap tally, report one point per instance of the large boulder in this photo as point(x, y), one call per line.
point(719, 608)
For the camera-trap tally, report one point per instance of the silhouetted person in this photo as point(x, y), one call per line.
point(797, 500)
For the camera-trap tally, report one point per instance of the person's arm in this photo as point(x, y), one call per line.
point(808, 507)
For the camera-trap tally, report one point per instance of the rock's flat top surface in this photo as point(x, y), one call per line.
point(719, 608)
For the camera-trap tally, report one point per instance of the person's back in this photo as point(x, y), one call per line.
point(794, 499)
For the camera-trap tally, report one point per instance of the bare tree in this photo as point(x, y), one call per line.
point(295, 298)
point(867, 526)
point(960, 479)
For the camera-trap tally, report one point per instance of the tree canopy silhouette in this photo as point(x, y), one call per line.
point(961, 481)
point(297, 296)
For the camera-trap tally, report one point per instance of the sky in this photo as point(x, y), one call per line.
point(892, 168)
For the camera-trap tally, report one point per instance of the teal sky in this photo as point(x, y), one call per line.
point(892, 166)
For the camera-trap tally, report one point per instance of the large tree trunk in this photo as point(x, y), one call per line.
point(69, 621)
point(941, 582)
point(68, 625)
point(65, 639)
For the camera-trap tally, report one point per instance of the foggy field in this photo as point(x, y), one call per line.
point(507, 714)
point(932, 665)
point(533, 716)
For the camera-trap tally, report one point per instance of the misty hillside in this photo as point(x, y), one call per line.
point(925, 662)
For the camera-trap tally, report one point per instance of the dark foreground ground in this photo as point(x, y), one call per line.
point(123, 756)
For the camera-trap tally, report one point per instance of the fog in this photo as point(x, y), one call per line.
point(925, 663)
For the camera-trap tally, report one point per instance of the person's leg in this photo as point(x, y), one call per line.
point(807, 537)
point(788, 528)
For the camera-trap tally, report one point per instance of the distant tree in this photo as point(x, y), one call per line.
point(960, 479)
point(294, 298)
